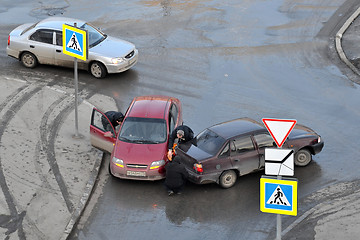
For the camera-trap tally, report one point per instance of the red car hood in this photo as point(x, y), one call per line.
point(140, 153)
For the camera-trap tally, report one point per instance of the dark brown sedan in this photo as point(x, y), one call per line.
point(227, 150)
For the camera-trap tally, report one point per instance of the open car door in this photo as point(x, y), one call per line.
point(98, 129)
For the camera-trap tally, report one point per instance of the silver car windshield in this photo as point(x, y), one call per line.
point(143, 130)
point(95, 36)
point(209, 142)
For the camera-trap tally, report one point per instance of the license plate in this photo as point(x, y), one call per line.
point(136, 174)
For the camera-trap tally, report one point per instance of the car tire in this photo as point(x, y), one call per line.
point(98, 70)
point(227, 179)
point(302, 158)
point(28, 60)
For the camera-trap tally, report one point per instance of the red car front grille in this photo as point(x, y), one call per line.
point(137, 166)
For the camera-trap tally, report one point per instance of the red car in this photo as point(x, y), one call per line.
point(139, 147)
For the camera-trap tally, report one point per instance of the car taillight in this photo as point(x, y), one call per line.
point(315, 141)
point(9, 40)
point(198, 167)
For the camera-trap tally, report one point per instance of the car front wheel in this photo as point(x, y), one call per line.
point(98, 70)
point(28, 60)
point(227, 179)
point(302, 158)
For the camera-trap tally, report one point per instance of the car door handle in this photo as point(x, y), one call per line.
point(236, 160)
point(58, 50)
point(32, 46)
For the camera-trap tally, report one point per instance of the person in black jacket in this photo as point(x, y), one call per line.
point(115, 119)
point(176, 176)
point(181, 134)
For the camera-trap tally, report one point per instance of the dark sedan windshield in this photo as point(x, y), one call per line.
point(95, 36)
point(209, 141)
point(143, 130)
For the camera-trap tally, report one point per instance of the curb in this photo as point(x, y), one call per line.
point(88, 189)
point(338, 40)
point(84, 199)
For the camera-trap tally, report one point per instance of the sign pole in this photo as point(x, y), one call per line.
point(278, 220)
point(75, 44)
point(76, 97)
point(279, 129)
point(278, 228)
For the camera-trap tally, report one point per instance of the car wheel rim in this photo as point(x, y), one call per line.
point(228, 180)
point(302, 158)
point(96, 70)
point(28, 60)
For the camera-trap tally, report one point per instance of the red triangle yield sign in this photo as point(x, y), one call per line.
point(279, 129)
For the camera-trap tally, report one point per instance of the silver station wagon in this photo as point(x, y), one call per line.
point(42, 43)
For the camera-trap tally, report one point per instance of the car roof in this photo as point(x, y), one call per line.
point(57, 22)
point(236, 127)
point(153, 106)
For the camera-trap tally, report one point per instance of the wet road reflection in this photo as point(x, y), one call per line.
point(223, 60)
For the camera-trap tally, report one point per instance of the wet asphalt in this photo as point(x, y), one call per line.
point(56, 192)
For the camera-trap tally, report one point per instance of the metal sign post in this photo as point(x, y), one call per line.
point(278, 220)
point(76, 98)
point(278, 227)
point(75, 44)
point(278, 195)
point(279, 162)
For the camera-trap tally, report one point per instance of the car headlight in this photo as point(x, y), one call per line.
point(117, 60)
point(118, 162)
point(157, 164)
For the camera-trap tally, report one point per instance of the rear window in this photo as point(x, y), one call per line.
point(27, 29)
point(209, 141)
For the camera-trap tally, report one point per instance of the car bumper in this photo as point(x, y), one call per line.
point(117, 68)
point(12, 53)
point(136, 174)
point(203, 178)
point(318, 147)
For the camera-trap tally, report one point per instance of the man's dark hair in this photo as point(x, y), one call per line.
point(119, 116)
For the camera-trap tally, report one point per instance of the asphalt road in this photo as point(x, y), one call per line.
point(222, 60)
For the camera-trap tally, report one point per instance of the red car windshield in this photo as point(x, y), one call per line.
point(143, 130)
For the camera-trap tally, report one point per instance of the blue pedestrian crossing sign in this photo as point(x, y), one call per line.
point(75, 42)
point(278, 196)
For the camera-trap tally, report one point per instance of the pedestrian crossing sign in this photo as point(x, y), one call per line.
point(75, 42)
point(278, 195)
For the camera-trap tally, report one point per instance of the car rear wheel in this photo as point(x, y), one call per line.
point(227, 179)
point(28, 60)
point(302, 158)
point(98, 70)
